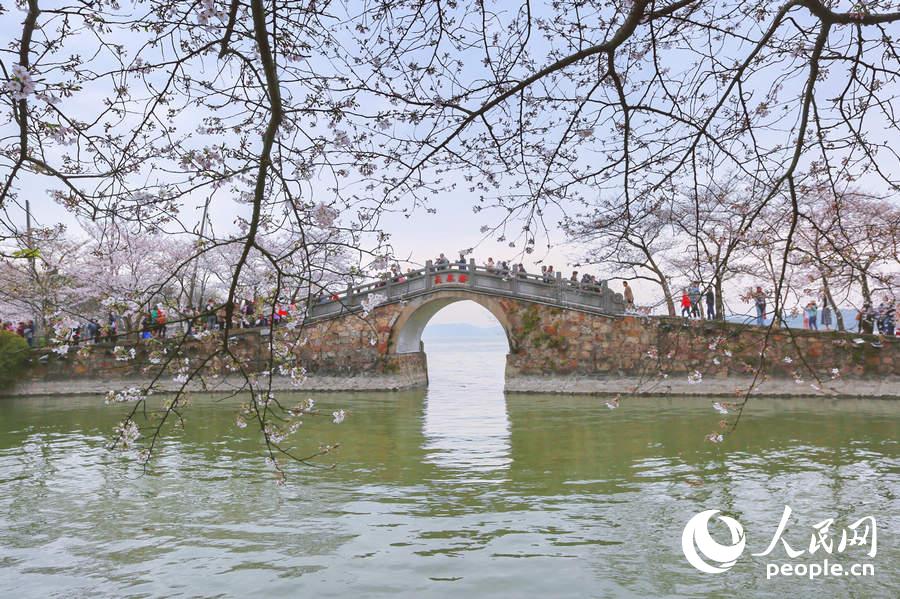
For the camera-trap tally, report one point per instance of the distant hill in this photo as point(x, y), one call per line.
point(462, 330)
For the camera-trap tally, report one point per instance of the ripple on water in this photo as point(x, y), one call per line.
point(466, 492)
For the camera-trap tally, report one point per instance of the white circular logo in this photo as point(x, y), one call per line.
point(695, 540)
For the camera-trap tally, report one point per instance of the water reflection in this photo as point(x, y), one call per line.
point(466, 426)
point(583, 501)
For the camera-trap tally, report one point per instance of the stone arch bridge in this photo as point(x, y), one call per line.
point(417, 296)
point(566, 338)
point(562, 339)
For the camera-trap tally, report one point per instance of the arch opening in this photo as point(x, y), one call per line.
point(410, 326)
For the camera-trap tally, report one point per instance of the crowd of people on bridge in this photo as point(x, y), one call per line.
point(696, 303)
point(501, 268)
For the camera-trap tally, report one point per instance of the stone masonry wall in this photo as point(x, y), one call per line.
point(559, 350)
point(560, 342)
point(347, 365)
point(552, 350)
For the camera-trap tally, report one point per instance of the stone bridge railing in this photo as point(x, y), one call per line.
point(598, 298)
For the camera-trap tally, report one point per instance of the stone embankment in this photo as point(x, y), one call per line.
point(552, 350)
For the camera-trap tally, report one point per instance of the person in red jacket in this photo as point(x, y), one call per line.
point(685, 304)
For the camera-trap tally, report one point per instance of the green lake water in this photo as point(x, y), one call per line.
point(457, 491)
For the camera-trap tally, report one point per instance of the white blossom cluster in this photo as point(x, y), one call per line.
point(324, 215)
point(277, 434)
point(65, 136)
point(20, 85)
point(128, 432)
point(123, 355)
point(372, 301)
point(182, 375)
point(130, 394)
point(209, 11)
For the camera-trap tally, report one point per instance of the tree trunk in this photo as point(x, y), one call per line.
point(864, 285)
point(720, 303)
point(838, 317)
point(667, 293)
point(661, 279)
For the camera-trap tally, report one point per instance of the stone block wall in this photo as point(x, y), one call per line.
point(558, 342)
point(552, 349)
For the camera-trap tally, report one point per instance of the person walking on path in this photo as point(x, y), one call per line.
point(886, 318)
point(759, 300)
point(211, 322)
point(694, 294)
point(710, 304)
point(812, 313)
point(629, 296)
point(28, 333)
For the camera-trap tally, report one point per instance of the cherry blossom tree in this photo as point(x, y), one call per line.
point(620, 244)
point(287, 119)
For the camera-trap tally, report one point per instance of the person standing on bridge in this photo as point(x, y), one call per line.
point(710, 304)
point(489, 265)
point(461, 263)
point(629, 296)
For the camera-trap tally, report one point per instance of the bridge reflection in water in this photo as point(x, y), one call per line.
point(466, 427)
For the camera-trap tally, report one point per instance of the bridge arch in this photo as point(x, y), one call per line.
point(406, 332)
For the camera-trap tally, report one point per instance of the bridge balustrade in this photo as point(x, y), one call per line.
point(558, 291)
